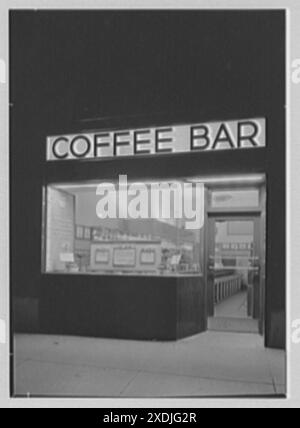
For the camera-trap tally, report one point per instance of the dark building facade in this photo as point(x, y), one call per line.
point(121, 73)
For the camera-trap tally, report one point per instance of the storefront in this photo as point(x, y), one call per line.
point(161, 232)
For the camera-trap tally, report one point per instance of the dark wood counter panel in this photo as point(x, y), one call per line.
point(130, 307)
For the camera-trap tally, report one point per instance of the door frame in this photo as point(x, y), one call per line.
point(249, 215)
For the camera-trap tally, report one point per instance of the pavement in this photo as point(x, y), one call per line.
point(211, 364)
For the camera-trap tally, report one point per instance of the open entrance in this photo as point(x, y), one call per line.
point(235, 279)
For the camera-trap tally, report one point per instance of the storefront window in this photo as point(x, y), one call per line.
point(150, 228)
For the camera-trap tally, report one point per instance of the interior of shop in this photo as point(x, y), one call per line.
point(227, 249)
point(234, 257)
point(79, 241)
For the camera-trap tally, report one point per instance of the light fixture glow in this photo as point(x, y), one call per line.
point(259, 178)
point(235, 179)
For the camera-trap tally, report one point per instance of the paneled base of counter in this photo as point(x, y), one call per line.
point(123, 307)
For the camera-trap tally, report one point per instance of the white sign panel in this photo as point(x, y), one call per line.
point(235, 199)
point(125, 257)
point(231, 135)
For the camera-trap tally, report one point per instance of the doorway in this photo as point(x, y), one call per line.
point(234, 285)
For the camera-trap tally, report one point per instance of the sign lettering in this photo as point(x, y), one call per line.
point(232, 135)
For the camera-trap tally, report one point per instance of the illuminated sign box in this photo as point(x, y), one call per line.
point(230, 135)
point(102, 256)
point(124, 257)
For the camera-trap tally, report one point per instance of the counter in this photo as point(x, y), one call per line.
point(135, 307)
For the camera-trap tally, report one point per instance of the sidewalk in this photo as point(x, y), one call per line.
point(209, 364)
